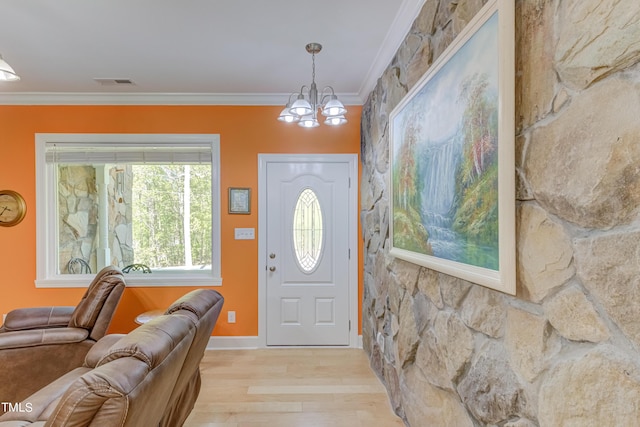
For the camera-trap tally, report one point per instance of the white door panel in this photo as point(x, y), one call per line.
point(307, 290)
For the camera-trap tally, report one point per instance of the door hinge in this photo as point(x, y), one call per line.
point(349, 325)
point(349, 182)
point(349, 253)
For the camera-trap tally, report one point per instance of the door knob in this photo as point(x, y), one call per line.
point(272, 268)
point(272, 255)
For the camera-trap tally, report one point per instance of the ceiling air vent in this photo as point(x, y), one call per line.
point(113, 82)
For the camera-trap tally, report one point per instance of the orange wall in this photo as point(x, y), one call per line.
point(240, 143)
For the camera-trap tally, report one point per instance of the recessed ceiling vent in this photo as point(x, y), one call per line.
point(113, 82)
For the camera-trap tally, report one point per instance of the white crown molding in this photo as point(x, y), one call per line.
point(127, 98)
point(408, 12)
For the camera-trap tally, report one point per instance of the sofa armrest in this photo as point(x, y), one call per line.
point(36, 337)
point(100, 349)
point(37, 318)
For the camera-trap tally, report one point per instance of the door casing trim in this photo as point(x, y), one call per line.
point(352, 161)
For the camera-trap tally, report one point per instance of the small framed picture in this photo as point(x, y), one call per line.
point(239, 200)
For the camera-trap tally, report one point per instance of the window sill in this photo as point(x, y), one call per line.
point(134, 280)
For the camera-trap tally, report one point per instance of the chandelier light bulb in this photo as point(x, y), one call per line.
point(333, 107)
point(286, 115)
point(309, 122)
point(335, 121)
point(6, 72)
point(301, 107)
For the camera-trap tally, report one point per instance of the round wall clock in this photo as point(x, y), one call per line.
point(12, 208)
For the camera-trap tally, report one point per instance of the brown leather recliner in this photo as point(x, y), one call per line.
point(48, 342)
point(203, 307)
point(147, 378)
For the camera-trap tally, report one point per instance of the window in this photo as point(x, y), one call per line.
point(143, 202)
point(307, 230)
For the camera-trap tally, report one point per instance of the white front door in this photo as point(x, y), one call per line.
point(307, 253)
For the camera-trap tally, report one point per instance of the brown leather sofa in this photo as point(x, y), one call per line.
point(149, 377)
point(48, 342)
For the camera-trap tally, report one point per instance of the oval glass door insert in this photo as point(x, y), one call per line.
point(307, 230)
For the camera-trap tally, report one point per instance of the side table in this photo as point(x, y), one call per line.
point(143, 318)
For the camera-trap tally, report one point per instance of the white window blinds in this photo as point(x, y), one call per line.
point(122, 152)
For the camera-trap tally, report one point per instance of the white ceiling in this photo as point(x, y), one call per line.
point(196, 51)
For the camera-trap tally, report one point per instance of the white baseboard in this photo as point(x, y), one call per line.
point(244, 343)
point(232, 343)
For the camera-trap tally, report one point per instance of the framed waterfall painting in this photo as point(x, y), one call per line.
point(451, 149)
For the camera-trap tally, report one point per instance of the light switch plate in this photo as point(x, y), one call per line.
point(245, 233)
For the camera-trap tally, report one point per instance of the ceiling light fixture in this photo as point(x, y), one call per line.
point(304, 110)
point(6, 72)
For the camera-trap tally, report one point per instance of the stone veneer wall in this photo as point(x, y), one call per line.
point(565, 350)
point(78, 209)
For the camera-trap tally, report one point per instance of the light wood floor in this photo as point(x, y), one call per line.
point(290, 388)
